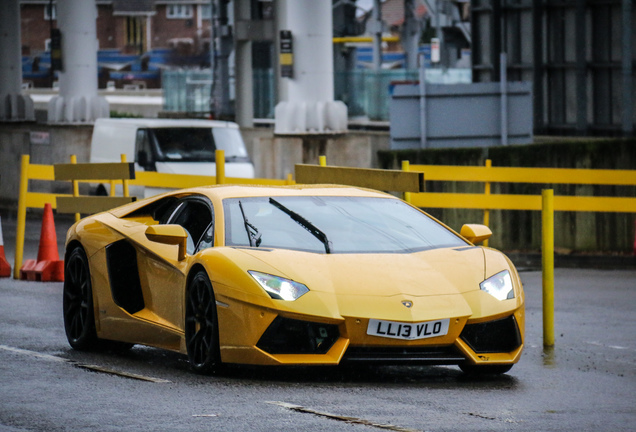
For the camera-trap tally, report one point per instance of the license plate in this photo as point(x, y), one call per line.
point(407, 331)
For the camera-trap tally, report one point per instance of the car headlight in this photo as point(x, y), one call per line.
point(499, 286)
point(279, 288)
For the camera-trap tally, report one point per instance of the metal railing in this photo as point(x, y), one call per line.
point(113, 172)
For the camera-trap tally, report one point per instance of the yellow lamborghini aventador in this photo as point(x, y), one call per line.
point(298, 275)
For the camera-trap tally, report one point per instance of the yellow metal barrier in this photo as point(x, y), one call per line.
point(547, 203)
point(90, 173)
point(547, 264)
point(75, 172)
point(489, 173)
point(389, 180)
point(26, 199)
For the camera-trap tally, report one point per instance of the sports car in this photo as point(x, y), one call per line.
point(292, 275)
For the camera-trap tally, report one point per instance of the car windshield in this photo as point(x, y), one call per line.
point(326, 224)
point(196, 144)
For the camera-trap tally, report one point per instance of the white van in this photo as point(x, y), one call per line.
point(179, 146)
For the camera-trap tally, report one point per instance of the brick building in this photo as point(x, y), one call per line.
point(131, 26)
point(136, 38)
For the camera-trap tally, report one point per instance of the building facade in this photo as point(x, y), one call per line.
point(130, 26)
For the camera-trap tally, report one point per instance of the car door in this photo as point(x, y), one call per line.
point(163, 277)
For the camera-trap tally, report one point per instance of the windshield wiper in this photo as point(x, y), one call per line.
point(316, 232)
point(253, 235)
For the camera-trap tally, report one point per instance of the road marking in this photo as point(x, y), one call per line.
point(352, 420)
point(33, 354)
point(616, 347)
point(82, 365)
point(121, 373)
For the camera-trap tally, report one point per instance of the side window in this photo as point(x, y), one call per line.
point(195, 216)
point(143, 152)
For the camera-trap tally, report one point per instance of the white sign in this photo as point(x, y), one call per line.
point(435, 57)
point(42, 138)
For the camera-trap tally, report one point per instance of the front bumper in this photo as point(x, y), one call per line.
point(291, 339)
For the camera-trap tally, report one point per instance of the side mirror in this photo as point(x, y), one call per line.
point(170, 235)
point(475, 233)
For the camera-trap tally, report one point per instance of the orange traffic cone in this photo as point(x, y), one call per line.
point(48, 266)
point(5, 268)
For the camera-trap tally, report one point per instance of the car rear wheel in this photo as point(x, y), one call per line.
point(471, 369)
point(201, 326)
point(79, 318)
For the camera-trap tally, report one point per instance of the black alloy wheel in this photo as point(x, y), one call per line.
point(201, 325)
point(79, 318)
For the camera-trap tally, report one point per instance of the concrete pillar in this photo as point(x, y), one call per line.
point(223, 45)
point(410, 34)
point(78, 101)
point(280, 16)
point(310, 107)
point(244, 78)
point(376, 30)
point(628, 68)
point(13, 105)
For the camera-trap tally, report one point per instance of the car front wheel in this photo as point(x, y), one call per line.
point(201, 325)
point(79, 318)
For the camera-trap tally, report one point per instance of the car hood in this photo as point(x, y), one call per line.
point(444, 271)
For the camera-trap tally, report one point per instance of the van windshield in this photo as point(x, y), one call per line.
point(194, 144)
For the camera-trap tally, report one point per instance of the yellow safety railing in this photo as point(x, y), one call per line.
point(87, 173)
point(64, 203)
point(547, 203)
point(489, 174)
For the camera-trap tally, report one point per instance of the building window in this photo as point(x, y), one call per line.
point(179, 11)
point(135, 33)
point(206, 11)
point(50, 12)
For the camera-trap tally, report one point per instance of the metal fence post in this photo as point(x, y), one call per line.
point(220, 166)
point(406, 166)
point(75, 184)
point(487, 192)
point(125, 188)
point(21, 223)
point(547, 260)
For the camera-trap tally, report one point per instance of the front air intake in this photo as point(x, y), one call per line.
point(493, 336)
point(289, 336)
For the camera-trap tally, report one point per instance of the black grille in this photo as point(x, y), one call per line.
point(418, 355)
point(289, 336)
point(493, 336)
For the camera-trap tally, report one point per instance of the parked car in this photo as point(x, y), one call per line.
point(295, 275)
point(177, 146)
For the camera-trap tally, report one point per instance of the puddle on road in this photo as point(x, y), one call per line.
point(549, 357)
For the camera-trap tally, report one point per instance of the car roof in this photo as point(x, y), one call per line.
point(172, 123)
point(220, 192)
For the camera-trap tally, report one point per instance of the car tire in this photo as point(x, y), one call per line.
point(474, 370)
point(201, 325)
point(79, 317)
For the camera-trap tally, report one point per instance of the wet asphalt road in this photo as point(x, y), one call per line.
point(586, 383)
